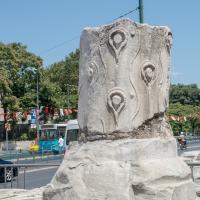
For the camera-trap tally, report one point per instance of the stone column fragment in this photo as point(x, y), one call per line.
point(124, 80)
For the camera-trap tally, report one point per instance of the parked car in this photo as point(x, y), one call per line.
point(9, 172)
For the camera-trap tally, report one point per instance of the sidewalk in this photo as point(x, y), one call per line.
point(20, 194)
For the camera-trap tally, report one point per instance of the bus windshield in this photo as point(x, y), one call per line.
point(51, 133)
point(48, 134)
point(61, 130)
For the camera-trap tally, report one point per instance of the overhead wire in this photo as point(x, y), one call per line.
point(60, 44)
point(77, 36)
point(125, 14)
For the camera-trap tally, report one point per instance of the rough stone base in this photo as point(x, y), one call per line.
point(20, 194)
point(129, 169)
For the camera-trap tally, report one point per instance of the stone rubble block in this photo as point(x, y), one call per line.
point(114, 170)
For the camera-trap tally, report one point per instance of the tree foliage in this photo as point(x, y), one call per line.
point(184, 109)
point(185, 94)
point(65, 74)
point(20, 71)
point(184, 118)
point(17, 66)
point(7, 99)
point(58, 87)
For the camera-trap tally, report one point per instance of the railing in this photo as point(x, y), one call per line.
point(24, 167)
point(192, 139)
point(18, 156)
point(192, 165)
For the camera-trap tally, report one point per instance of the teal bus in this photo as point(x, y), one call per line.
point(49, 135)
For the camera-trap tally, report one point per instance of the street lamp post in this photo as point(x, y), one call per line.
point(35, 71)
point(37, 112)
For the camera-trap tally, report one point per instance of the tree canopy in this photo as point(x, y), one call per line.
point(65, 74)
point(184, 109)
point(185, 94)
point(17, 67)
point(58, 87)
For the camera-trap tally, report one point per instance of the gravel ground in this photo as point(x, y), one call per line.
point(19, 194)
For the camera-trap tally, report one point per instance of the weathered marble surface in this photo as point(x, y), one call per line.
point(124, 80)
point(128, 169)
point(126, 148)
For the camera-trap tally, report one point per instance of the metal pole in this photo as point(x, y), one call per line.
point(18, 177)
point(37, 112)
point(5, 179)
point(7, 140)
point(11, 184)
point(68, 99)
point(141, 8)
point(24, 177)
point(68, 89)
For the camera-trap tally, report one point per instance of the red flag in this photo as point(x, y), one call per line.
point(66, 112)
point(7, 116)
point(69, 111)
point(14, 115)
point(25, 115)
point(46, 109)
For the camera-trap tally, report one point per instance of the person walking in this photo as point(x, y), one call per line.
point(60, 144)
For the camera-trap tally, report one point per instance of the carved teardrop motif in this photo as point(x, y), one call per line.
point(117, 40)
point(116, 101)
point(168, 41)
point(93, 72)
point(148, 73)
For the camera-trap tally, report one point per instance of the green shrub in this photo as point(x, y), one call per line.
point(24, 136)
point(32, 134)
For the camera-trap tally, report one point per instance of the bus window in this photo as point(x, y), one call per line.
point(72, 135)
point(61, 131)
point(47, 134)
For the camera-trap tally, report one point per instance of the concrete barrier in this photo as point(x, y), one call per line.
point(15, 145)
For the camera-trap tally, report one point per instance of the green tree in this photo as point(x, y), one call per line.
point(7, 99)
point(20, 65)
point(184, 118)
point(65, 74)
point(17, 78)
point(185, 94)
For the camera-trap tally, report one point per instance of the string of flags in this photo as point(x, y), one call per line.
point(178, 118)
point(43, 110)
point(184, 118)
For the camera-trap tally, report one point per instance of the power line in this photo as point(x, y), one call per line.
point(60, 44)
point(125, 14)
point(77, 36)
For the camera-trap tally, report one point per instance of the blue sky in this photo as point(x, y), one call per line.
point(51, 28)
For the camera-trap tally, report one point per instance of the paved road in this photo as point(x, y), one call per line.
point(34, 178)
point(190, 147)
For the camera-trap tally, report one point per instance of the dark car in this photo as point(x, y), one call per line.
point(9, 173)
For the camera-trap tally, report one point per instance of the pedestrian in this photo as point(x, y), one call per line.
point(60, 144)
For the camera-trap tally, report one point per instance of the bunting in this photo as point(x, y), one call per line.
point(178, 118)
point(17, 116)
